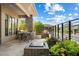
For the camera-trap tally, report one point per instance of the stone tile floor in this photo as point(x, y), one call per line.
point(13, 48)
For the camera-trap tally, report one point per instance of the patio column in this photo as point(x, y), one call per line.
point(0, 23)
point(29, 22)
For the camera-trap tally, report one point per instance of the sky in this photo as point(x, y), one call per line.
point(55, 13)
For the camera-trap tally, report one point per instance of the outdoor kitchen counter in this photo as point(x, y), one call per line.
point(38, 47)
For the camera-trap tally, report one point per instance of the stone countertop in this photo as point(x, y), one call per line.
point(38, 44)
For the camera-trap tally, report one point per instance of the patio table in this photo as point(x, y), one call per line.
point(24, 35)
point(21, 35)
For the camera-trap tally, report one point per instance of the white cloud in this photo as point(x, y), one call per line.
point(47, 8)
point(37, 18)
point(70, 14)
point(47, 5)
point(57, 19)
point(54, 7)
point(51, 13)
point(75, 14)
point(57, 7)
point(60, 18)
point(76, 8)
point(49, 19)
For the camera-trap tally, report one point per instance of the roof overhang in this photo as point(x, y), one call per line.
point(27, 8)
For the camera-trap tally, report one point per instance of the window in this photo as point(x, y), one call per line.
point(13, 25)
point(6, 25)
point(10, 25)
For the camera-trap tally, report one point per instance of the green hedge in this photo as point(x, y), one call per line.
point(69, 48)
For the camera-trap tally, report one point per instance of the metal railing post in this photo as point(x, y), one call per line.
point(58, 31)
point(69, 30)
point(62, 32)
point(55, 31)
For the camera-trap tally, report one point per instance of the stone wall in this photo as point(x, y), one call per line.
point(29, 22)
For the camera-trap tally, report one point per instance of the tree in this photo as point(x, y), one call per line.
point(22, 25)
point(38, 27)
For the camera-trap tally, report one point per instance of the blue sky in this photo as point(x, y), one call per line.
point(55, 13)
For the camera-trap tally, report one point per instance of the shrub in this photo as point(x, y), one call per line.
point(70, 48)
point(51, 41)
point(55, 49)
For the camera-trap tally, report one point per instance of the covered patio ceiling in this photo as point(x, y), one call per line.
point(27, 8)
point(22, 9)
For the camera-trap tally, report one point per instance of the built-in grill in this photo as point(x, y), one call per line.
point(37, 48)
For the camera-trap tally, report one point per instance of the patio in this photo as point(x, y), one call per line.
point(20, 35)
point(17, 29)
point(14, 47)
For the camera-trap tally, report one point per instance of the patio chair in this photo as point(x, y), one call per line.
point(25, 37)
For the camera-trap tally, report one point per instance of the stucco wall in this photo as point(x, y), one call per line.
point(0, 23)
point(9, 11)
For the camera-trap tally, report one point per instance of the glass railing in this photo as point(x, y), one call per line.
point(67, 30)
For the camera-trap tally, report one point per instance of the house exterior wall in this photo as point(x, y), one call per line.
point(14, 11)
point(0, 23)
point(8, 11)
